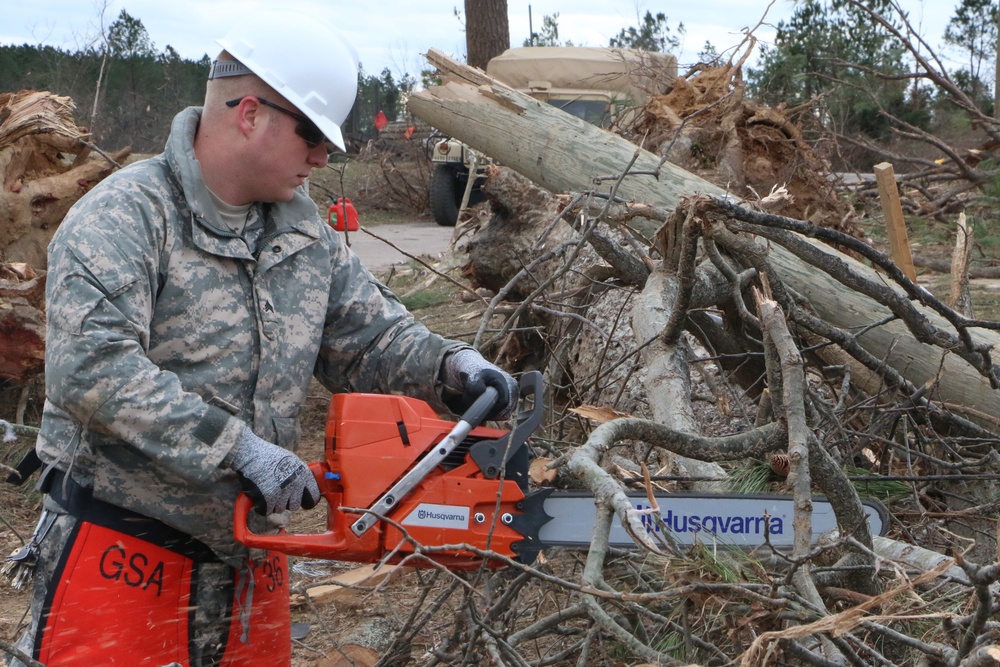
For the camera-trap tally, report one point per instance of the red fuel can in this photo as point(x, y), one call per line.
point(342, 215)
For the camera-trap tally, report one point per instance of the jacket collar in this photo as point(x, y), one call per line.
point(298, 216)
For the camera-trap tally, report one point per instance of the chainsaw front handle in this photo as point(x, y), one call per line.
point(482, 406)
point(531, 385)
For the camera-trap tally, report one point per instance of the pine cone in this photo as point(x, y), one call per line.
point(780, 464)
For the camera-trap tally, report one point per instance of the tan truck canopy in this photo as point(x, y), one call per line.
point(634, 74)
point(600, 86)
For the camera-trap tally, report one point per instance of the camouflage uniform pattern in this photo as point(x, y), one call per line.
point(166, 335)
point(50, 549)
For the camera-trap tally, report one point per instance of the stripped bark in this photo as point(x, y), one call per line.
point(959, 298)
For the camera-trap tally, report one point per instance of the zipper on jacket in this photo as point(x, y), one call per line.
point(247, 275)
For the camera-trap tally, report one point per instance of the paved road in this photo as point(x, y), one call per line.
point(416, 238)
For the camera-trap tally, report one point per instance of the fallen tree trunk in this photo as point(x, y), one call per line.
point(562, 153)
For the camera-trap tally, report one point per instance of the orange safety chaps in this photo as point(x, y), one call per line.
point(118, 599)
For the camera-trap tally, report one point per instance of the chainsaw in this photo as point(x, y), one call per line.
point(398, 479)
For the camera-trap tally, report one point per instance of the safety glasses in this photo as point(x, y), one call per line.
point(305, 128)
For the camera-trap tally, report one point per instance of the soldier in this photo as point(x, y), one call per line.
point(191, 298)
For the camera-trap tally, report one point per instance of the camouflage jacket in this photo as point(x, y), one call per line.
point(166, 336)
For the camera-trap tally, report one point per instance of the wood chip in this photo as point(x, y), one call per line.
point(366, 576)
point(540, 474)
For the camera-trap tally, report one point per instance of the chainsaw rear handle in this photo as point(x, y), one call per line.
point(279, 541)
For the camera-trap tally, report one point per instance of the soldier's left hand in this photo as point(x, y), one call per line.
point(468, 372)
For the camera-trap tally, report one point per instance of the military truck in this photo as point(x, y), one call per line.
point(597, 85)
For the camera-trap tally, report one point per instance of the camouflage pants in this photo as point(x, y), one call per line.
point(209, 625)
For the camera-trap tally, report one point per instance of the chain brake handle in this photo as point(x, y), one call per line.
point(531, 384)
point(492, 456)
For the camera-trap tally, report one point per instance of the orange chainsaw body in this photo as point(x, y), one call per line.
point(372, 440)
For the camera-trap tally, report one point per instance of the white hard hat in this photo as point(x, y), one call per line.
point(307, 61)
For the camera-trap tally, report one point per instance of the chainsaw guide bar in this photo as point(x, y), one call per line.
point(718, 520)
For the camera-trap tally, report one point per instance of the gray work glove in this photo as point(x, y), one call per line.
point(467, 372)
point(275, 478)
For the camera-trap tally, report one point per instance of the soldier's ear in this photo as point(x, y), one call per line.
point(248, 116)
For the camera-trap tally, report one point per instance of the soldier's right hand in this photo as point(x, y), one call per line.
point(275, 478)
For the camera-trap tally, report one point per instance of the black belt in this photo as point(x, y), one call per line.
point(79, 501)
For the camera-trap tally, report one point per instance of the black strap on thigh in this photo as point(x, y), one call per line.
point(29, 464)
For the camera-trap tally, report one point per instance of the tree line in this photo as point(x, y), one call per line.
point(126, 91)
point(862, 72)
point(852, 77)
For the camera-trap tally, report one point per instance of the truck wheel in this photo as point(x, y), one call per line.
point(445, 195)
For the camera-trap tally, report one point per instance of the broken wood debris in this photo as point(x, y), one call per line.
point(350, 583)
point(617, 335)
point(46, 165)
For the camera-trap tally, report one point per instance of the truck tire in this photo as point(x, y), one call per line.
point(445, 195)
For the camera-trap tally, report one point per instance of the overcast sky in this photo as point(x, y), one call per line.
point(395, 33)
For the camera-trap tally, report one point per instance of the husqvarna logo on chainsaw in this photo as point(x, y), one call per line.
point(438, 516)
point(714, 523)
